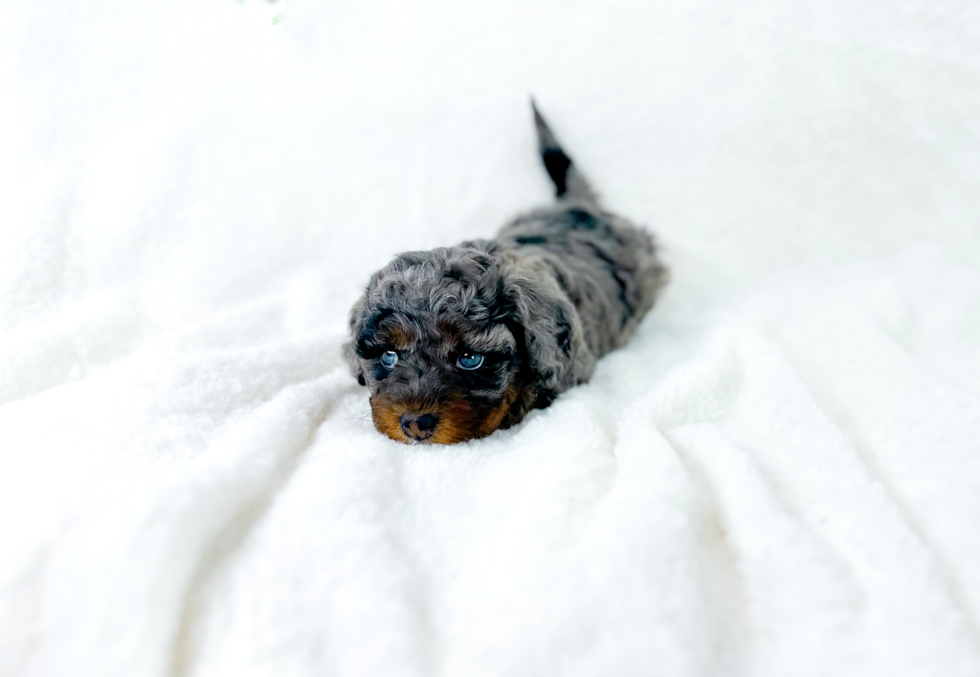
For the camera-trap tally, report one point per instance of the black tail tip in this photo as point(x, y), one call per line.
point(556, 162)
point(568, 181)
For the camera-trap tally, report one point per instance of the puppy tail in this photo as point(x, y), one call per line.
point(568, 180)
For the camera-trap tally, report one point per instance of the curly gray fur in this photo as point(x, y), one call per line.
point(558, 288)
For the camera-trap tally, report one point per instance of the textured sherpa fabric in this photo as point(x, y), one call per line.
point(778, 475)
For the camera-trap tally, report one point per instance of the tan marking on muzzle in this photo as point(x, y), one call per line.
point(458, 421)
point(386, 415)
point(455, 423)
point(496, 417)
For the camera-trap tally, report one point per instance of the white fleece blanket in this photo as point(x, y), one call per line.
point(779, 476)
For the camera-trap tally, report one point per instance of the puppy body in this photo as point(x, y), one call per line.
point(535, 308)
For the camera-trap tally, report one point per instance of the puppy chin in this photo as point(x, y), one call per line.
point(458, 419)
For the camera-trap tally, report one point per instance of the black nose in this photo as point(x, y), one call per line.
point(418, 426)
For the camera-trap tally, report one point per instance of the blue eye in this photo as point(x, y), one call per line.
point(389, 359)
point(469, 361)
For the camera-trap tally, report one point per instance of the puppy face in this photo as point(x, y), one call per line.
point(441, 340)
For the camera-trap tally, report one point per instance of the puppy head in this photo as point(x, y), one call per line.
point(455, 343)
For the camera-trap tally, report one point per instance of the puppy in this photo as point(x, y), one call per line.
point(456, 342)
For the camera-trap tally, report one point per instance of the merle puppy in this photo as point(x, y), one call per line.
point(456, 342)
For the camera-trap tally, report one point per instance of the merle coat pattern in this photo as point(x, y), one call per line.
point(537, 306)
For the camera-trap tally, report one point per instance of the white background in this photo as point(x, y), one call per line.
point(780, 475)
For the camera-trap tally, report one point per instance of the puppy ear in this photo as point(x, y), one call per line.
point(548, 328)
point(356, 319)
point(353, 362)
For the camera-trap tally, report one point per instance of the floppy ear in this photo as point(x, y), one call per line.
point(356, 319)
point(547, 326)
point(353, 362)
